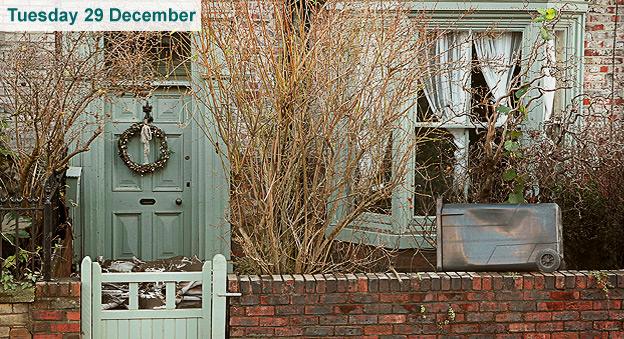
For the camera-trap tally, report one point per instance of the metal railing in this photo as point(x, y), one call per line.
point(39, 212)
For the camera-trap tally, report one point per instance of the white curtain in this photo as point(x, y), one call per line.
point(447, 91)
point(549, 83)
point(446, 85)
point(497, 57)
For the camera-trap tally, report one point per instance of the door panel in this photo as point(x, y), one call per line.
point(171, 178)
point(148, 216)
point(123, 179)
point(168, 234)
point(125, 109)
point(168, 110)
point(126, 234)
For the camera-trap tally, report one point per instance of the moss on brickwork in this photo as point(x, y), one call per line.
point(17, 295)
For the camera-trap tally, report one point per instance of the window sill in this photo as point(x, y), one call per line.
point(416, 235)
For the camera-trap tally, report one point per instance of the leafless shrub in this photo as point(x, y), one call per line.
point(51, 83)
point(53, 89)
point(578, 163)
point(310, 106)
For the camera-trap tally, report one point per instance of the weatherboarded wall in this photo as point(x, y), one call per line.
point(569, 304)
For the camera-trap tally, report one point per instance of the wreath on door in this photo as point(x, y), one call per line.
point(147, 132)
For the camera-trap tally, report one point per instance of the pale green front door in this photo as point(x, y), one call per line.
point(149, 216)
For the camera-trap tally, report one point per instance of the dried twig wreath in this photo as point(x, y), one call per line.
point(142, 169)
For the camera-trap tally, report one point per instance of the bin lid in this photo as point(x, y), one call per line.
point(73, 172)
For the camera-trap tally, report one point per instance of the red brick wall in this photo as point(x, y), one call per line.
point(604, 54)
point(14, 319)
point(55, 313)
point(562, 305)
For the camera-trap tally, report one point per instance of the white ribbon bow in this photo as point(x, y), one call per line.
point(146, 137)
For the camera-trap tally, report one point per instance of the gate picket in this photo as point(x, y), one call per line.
point(85, 297)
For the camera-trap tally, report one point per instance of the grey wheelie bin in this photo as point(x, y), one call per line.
point(499, 237)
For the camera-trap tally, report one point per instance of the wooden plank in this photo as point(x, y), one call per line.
point(180, 329)
point(96, 301)
point(110, 329)
point(133, 297)
point(169, 328)
point(135, 328)
point(123, 328)
point(170, 296)
point(205, 324)
point(157, 329)
point(151, 277)
point(191, 328)
point(219, 277)
point(146, 328)
point(85, 298)
point(152, 314)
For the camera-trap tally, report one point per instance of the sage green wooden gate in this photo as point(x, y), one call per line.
point(209, 321)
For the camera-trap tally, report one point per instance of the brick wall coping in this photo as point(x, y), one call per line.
point(427, 281)
point(58, 288)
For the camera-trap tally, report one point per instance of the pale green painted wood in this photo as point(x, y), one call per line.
point(96, 301)
point(168, 328)
point(211, 194)
point(133, 297)
point(497, 7)
point(170, 296)
point(135, 328)
point(209, 321)
point(123, 328)
point(147, 326)
point(191, 328)
point(208, 194)
point(158, 329)
point(151, 314)
point(219, 269)
point(402, 198)
point(180, 328)
point(206, 319)
point(151, 276)
point(85, 297)
point(110, 329)
point(148, 231)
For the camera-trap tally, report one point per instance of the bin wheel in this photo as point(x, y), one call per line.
point(548, 260)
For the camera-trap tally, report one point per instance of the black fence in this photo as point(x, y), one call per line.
point(27, 225)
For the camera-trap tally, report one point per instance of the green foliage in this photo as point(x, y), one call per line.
point(512, 146)
point(546, 16)
point(522, 91)
point(10, 222)
point(24, 278)
point(515, 198)
point(510, 174)
point(602, 281)
point(503, 109)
